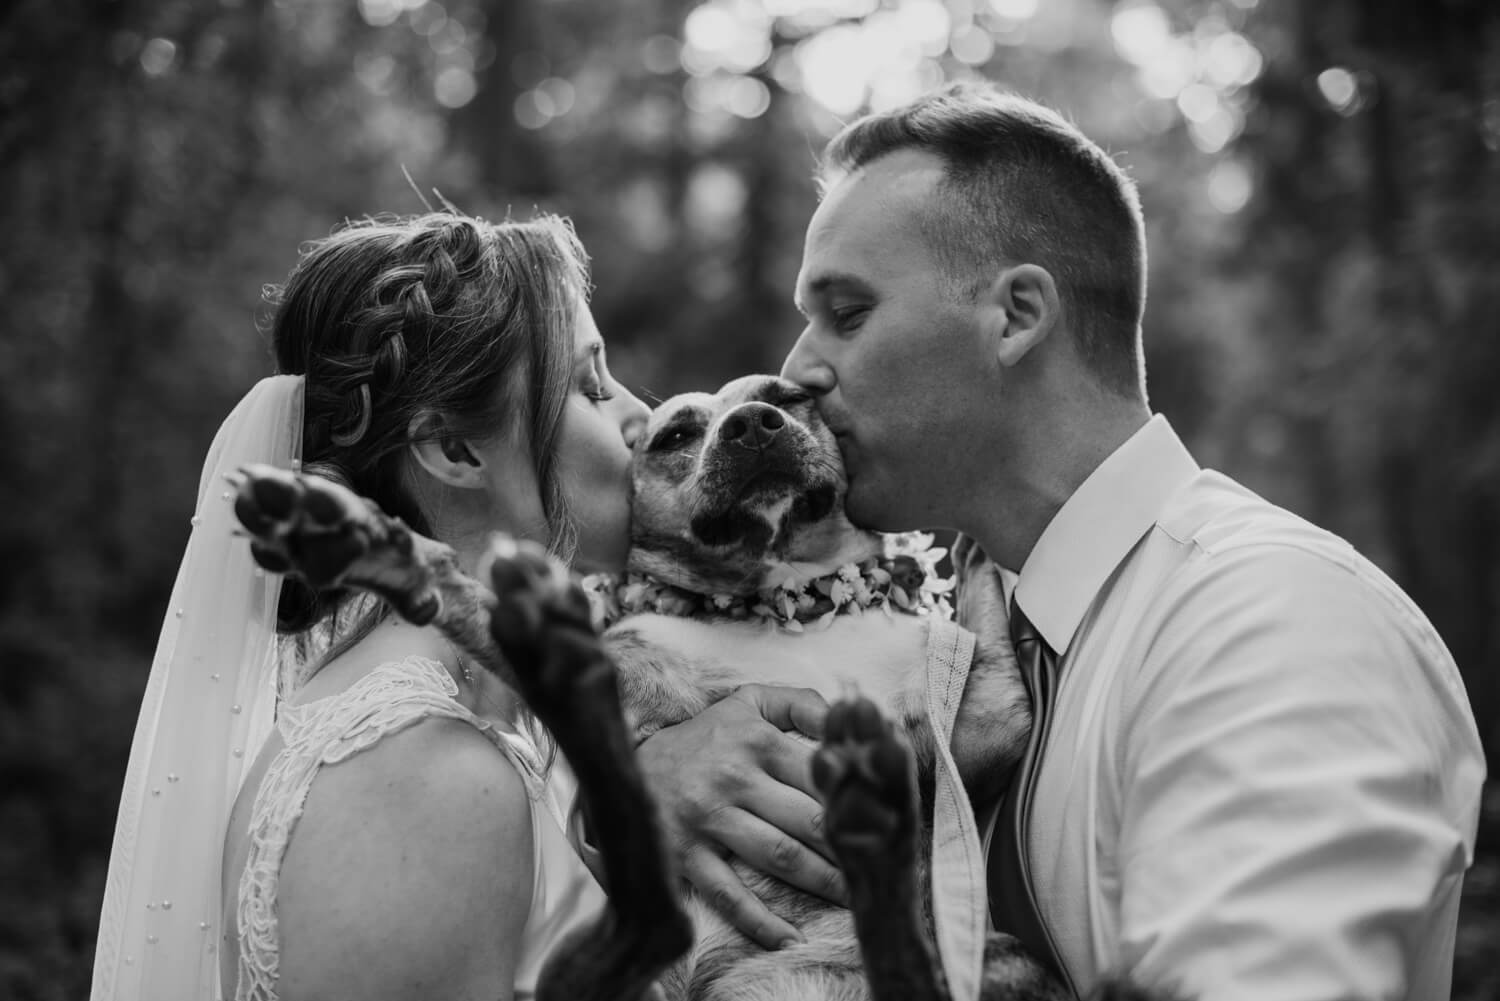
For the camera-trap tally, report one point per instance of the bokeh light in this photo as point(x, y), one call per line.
point(732, 35)
point(375, 71)
point(1229, 186)
point(661, 54)
point(1015, 10)
point(1339, 88)
point(380, 13)
point(1141, 32)
point(454, 87)
point(159, 56)
point(1198, 102)
point(972, 45)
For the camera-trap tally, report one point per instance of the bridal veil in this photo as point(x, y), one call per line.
point(208, 706)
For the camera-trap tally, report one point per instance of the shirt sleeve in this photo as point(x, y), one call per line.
point(1298, 788)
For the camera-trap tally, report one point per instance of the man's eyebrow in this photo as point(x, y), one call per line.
point(829, 279)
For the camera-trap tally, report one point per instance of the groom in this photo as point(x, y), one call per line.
point(1256, 772)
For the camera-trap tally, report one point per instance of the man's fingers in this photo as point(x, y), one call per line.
point(789, 806)
point(718, 883)
point(800, 709)
point(769, 849)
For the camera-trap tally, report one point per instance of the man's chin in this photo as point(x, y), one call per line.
point(865, 510)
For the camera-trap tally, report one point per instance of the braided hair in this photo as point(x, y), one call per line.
point(394, 319)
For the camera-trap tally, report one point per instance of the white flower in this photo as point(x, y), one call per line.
point(934, 584)
point(908, 543)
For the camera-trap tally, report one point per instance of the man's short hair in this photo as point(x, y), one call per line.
point(1026, 187)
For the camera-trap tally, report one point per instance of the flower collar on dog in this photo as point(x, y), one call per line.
point(904, 576)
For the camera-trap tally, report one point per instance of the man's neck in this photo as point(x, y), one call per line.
point(1013, 513)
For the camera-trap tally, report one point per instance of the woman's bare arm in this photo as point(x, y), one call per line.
point(410, 873)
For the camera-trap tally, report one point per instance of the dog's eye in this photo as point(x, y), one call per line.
point(674, 438)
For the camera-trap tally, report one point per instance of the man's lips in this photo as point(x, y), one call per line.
point(844, 442)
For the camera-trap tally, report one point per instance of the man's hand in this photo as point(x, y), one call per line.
point(733, 781)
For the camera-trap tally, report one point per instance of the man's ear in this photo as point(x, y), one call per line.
point(1021, 310)
point(449, 459)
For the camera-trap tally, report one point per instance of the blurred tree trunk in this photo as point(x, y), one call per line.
point(763, 292)
point(104, 117)
point(1299, 238)
point(130, 326)
point(512, 160)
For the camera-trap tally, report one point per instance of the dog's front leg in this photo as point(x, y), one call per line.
point(541, 623)
point(333, 538)
point(866, 775)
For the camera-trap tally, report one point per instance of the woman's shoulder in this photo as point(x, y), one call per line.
point(433, 773)
point(435, 758)
point(411, 859)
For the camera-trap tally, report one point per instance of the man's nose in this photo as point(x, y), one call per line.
point(806, 369)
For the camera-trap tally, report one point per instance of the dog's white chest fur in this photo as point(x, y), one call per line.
point(873, 654)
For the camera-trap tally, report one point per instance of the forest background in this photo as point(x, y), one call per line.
point(1321, 182)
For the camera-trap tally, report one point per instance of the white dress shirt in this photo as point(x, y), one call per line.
point(1262, 779)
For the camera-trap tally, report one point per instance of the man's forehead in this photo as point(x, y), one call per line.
point(863, 212)
point(892, 181)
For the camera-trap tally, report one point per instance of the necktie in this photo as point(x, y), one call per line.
point(1012, 896)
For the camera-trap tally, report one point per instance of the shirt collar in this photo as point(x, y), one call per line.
point(1098, 526)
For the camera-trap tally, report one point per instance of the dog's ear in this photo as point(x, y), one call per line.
point(448, 458)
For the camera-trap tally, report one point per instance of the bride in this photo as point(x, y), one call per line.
point(394, 827)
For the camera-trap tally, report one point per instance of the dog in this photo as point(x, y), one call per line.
point(738, 503)
point(737, 499)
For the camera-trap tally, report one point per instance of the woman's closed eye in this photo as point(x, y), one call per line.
point(596, 382)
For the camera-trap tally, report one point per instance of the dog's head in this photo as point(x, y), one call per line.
point(735, 488)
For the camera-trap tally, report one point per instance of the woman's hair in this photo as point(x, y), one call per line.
point(401, 320)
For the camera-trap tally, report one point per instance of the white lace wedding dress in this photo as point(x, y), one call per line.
point(329, 730)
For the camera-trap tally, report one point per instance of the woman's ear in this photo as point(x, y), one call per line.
point(1021, 309)
point(448, 459)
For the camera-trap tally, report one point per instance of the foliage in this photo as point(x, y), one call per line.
point(1322, 183)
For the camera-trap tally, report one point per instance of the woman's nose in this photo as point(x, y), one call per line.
point(633, 417)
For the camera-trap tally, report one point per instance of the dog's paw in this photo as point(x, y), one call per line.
point(331, 537)
point(866, 775)
point(541, 622)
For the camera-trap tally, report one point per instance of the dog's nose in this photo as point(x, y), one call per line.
point(753, 425)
